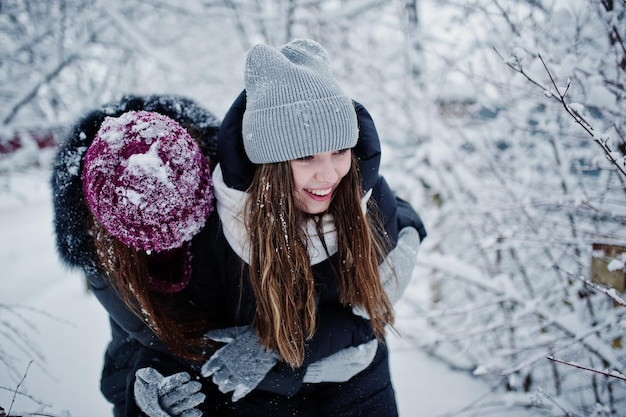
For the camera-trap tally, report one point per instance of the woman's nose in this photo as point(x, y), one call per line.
point(327, 171)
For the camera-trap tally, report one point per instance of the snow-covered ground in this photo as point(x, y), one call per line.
point(64, 330)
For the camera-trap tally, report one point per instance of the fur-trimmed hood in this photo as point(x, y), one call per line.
point(73, 241)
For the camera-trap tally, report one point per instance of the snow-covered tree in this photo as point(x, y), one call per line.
point(525, 160)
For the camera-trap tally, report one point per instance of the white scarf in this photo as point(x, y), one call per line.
point(230, 206)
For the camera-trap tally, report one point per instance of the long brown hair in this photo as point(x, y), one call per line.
point(169, 315)
point(280, 267)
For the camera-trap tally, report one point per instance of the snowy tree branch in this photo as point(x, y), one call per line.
point(128, 29)
point(613, 374)
point(614, 34)
point(559, 95)
point(16, 391)
point(609, 292)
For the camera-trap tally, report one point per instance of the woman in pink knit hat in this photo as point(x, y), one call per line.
point(131, 188)
point(310, 242)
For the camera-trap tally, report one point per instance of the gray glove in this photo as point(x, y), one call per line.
point(343, 365)
point(397, 268)
point(174, 395)
point(241, 364)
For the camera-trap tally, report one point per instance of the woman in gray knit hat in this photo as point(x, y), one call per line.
point(306, 251)
point(312, 240)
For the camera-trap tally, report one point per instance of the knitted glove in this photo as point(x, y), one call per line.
point(174, 395)
point(343, 365)
point(241, 364)
point(397, 269)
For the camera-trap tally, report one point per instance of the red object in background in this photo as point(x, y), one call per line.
point(10, 145)
point(43, 139)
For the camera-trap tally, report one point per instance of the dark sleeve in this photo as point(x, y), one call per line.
point(394, 213)
point(119, 313)
point(217, 278)
point(386, 209)
point(338, 328)
point(407, 216)
point(119, 360)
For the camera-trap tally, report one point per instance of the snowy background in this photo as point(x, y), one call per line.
point(503, 123)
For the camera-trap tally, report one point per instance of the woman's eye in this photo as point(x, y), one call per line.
point(342, 151)
point(305, 158)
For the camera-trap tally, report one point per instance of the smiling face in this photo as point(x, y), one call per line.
point(316, 177)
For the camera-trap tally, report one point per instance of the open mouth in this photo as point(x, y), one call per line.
point(320, 194)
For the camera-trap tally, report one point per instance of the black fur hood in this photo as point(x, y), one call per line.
point(73, 242)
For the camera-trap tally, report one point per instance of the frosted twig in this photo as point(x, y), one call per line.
point(575, 365)
point(17, 388)
point(15, 392)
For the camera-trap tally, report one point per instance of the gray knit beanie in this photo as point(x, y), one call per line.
point(294, 107)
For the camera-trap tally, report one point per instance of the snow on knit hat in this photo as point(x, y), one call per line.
point(294, 106)
point(147, 182)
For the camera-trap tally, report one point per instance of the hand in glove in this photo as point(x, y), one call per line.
point(241, 364)
point(342, 365)
point(175, 395)
point(397, 268)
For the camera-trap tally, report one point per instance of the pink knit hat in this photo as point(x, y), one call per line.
point(147, 182)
